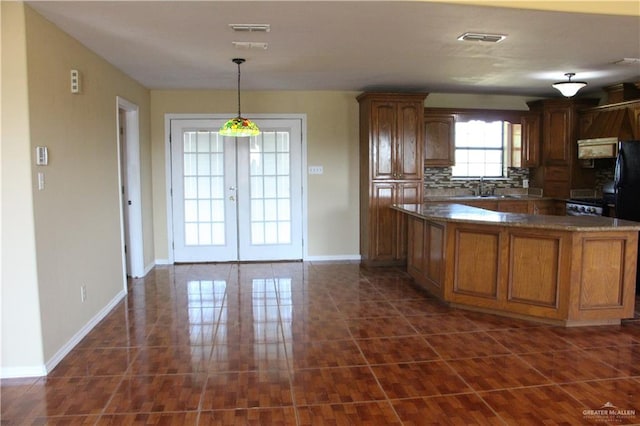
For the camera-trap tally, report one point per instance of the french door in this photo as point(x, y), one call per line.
point(236, 198)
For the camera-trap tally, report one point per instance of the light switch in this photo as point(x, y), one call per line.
point(75, 82)
point(42, 156)
point(40, 181)
point(316, 170)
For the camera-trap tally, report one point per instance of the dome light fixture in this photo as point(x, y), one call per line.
point(569, 88)
point(239, 126)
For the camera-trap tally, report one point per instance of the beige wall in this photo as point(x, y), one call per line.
point(22, 352)
point(75, 220)
point(332, 141)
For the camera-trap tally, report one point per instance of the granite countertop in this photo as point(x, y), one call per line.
point(466, 214)
point(450, 198)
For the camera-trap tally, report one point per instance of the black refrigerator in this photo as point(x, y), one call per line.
point(627, 187)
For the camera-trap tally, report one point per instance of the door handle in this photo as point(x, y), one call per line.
point(232, 198)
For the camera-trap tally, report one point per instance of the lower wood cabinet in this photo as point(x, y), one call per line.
point(513, 206)
point(562, 277)
point(425, 261)
point(384, 242)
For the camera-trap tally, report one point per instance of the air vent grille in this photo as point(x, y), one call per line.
point(250, 45)
point(482, 38)
point(251, 28)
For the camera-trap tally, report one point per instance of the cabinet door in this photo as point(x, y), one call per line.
point(547, 207)
point(408, 147)
point(404, 193)
point(635, 121)
point(382, 137)
point(557, 126)
point(388, 229)
point(439, 142)
point(513, 206)
point(531, 138)
point(383, 225)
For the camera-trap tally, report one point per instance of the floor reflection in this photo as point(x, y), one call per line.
point(319, 343)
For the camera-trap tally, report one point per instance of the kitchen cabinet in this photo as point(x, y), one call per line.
point(439, 139)
point(548, 207)
point(559, 171)
point(391, 172)
point(386, 236)
point(395, 145)
point(426, 243)
point(559, 271)
point(513, 206)
point(531, 139)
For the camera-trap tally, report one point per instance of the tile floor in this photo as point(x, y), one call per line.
point(324, 344)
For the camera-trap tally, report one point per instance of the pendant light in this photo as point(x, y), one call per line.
point(569, 88)
point(239, 126)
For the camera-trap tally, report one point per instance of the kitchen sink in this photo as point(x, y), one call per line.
point(491, 197)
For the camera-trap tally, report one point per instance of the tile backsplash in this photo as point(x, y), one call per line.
point(438, 181)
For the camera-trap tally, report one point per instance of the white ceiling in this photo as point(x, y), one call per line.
point(360, 45)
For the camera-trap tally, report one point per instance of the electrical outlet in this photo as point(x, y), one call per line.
point(83, 293)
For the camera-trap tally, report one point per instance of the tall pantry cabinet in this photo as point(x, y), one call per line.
point(391, 171)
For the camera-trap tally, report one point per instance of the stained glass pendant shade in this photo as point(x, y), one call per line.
point(239, 126)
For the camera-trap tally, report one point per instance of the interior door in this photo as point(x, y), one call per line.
point(236, 198)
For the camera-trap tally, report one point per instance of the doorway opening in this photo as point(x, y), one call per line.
point(130, 188)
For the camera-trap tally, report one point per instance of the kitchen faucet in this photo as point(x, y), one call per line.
point(481, 190)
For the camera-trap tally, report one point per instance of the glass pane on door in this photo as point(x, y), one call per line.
point(270, 183)
point(204, 216)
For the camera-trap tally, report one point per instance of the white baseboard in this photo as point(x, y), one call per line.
point(148, 269)
point(332, 258)
point(24, 371)
point(337, 258)
point(64, 351)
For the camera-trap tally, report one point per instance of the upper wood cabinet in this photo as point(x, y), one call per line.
point(556, 140)
point(559, 171)
point(394, 127)
point(439, 139)
point(531, 139)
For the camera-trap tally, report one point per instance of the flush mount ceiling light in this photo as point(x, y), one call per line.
point(569, 88)
point(482, 38)
point(239, 126)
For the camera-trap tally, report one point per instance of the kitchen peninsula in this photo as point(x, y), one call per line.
point(564, 270)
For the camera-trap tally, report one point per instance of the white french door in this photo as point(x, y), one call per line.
point(236, 198)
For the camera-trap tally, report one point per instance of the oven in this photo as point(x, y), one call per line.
point(585, 207)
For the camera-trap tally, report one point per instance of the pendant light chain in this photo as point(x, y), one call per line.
point(239, 126)
point(238, 62)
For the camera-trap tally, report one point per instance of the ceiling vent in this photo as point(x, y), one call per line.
point(482, 38)
point(251, 28)
point(628, 61)
point(250, 45)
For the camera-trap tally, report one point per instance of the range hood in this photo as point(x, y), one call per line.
point(601, 138)
point(610, 123)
